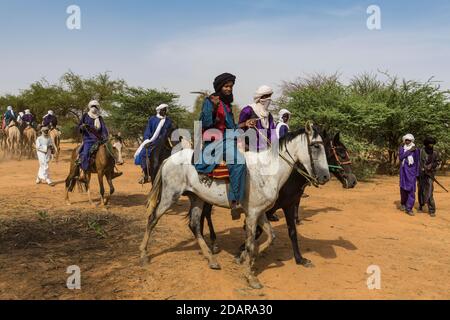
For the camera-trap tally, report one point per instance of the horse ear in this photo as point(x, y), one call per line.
point(309, 127)
point(337, 138)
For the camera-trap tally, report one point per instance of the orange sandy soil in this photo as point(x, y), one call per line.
point(343, 233)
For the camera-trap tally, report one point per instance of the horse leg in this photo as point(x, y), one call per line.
point(88, 189)
point(100, 175)
point(195, 225)
point(155, 213)
point(292, 229)
point(111, 185)
point(207, 214)
point(265, 225)
point(251, 247)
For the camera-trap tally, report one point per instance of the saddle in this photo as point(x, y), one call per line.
point(220, 172)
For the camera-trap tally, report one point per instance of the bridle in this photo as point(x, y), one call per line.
point(339, 161)
point(310, 178)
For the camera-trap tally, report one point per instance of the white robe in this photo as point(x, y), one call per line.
point(44, 156)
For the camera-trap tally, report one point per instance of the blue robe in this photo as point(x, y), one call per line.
point(207, 164)
point(50, 120)
point(9, 116)
point(89, 138)
point(152, 125)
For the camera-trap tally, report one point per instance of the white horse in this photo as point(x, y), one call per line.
point(178, 177)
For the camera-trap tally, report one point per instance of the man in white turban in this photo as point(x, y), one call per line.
point(50, 120)
point(258, 113)
point(93, 129)
point(283, 123)
point(157, 127)
point(409, 171)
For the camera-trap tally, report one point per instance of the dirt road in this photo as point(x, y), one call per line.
point(343, 233)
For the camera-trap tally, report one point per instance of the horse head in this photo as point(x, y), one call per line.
point(307, 147)
point(339, 160)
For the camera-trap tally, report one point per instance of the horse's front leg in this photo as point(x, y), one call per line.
point(88, 188)
point(251, 247)
point(289, 212)
point(103, 200)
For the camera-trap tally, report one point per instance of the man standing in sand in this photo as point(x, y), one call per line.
point(45, 149)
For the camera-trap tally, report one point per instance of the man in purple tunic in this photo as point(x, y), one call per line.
point(265, 126)
point(409, 171)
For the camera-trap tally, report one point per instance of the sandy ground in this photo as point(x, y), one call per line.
point(343, 233)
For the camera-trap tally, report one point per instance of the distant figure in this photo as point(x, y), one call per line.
point(118, 145)
point(429, 162)
point(29, 119)
point(157, 127)
point(44, 148)
point(9, 116)
point(283, 123)
point(409, 171)
point(50, 120)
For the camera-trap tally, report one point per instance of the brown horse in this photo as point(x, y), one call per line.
point(55, 135)
point(103, 164)
point(13, 138)
point(29, 141)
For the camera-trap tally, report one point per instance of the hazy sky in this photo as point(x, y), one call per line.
point(182, 45)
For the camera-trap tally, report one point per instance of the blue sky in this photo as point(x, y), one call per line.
point(182, 45)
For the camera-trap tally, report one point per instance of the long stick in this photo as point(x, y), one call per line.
point(438, 183)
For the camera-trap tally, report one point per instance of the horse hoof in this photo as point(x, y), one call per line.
point(145, 261)
point(254, 283)
point(215, 249)
point(215, 266)
point(306, 263)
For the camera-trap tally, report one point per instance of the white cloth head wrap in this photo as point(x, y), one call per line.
point(409, 137)
point(282, 113)
point(50, 112)
point(9, 108)
point(94, 104)
point(408, 148)
point(27, 111)
point(159, 108)
point(262, 91)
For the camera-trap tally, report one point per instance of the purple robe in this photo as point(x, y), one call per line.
point(247, 114)
point(409, 174)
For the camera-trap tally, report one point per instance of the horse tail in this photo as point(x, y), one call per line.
point(155, 193)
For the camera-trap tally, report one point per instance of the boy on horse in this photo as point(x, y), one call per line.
point(94, 131)
point(217, 114)
point(157, 127)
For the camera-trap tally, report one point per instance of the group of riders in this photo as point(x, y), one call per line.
point(27, 119)
point(217, 114)
point(217, 121)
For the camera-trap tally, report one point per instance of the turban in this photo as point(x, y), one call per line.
point(9, 108)
point(261, 92)
point(21, 114)
point(94, 103)
point(222, 80)
point(27, 111)
point(283, 112)
point(429, 141)
point(409, 137)
point(50, 112)
point(161, 107)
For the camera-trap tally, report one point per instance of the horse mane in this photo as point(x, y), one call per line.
point(294, 134)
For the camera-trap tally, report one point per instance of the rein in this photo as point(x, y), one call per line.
point(312, 180)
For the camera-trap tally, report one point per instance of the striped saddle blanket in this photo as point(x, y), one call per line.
point(220, 173)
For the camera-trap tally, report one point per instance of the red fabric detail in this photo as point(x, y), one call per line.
point(219, 124)
point(220, 172)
